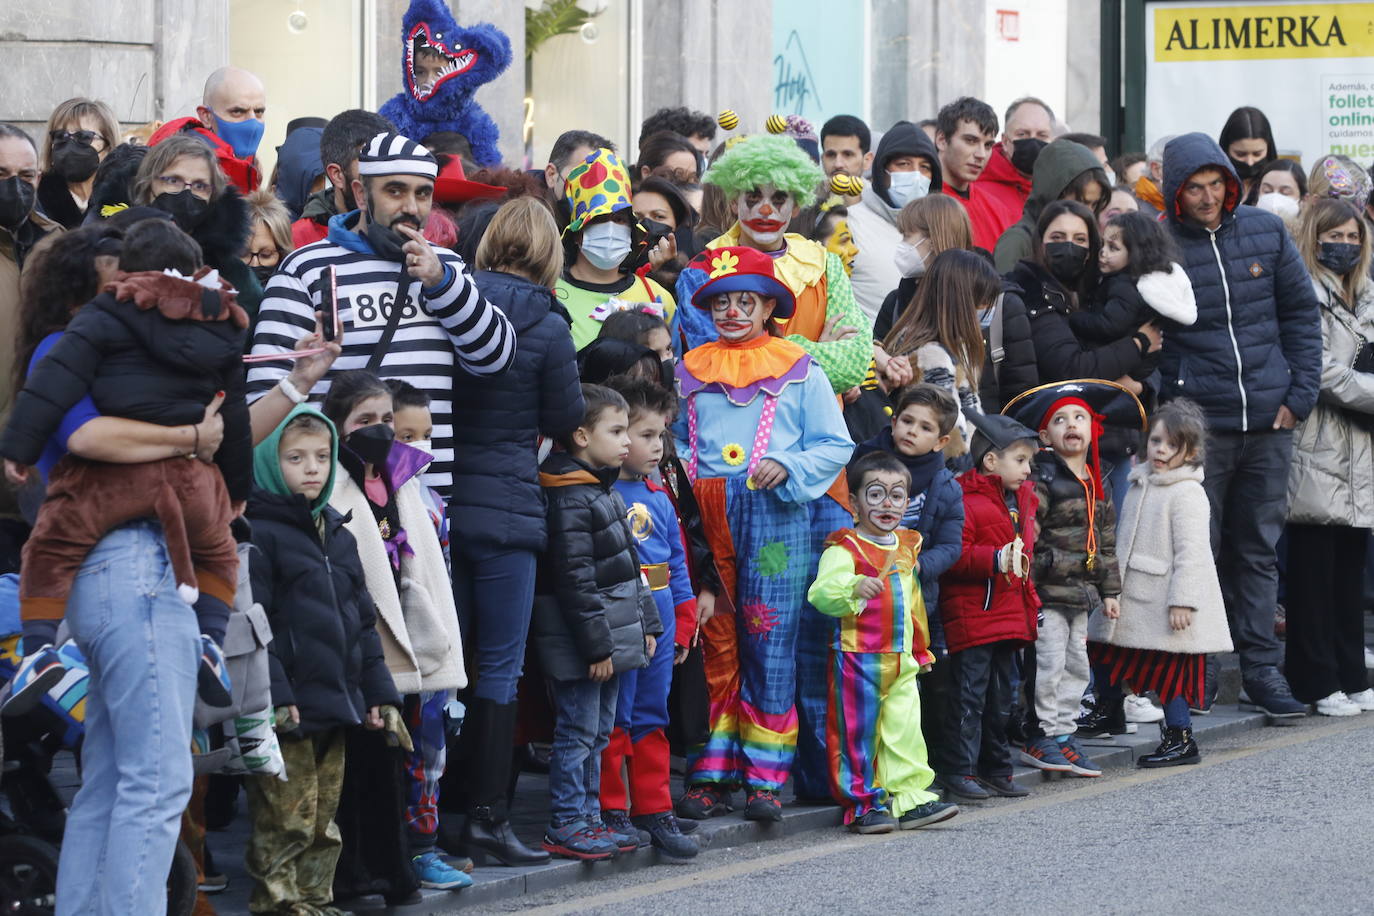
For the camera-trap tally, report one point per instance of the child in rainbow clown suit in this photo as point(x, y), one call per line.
point(763, 437)
point(868, 577)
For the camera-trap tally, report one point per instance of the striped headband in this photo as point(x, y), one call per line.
point(393, 154)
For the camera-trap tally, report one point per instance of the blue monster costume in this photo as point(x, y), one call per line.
point(473, 57)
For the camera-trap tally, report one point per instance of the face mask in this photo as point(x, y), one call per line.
point(186, 208)
point(1277, 203)
point(16, 202)
point(905, 187)
point(908, 260)
point(263, 273)
point(1066, 260)
point(423, 445)
point(243, 136)
point(1338, 257)
point(386, 242)
point(606, 244)
point(1024, 152)
point(667, 371)
point(73, 161)
point(1247, 170)
point(371, 443)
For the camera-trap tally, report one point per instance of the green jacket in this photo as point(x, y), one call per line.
point(1055, 169)
point(1060, 571)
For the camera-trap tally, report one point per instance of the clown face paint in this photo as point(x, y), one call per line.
point(740, 316)
point(882, 502)
point(840, 242)
point(763, 215)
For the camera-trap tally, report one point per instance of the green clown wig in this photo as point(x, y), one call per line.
point(764, 159)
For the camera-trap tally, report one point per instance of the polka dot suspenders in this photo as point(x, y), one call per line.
point(761, 438)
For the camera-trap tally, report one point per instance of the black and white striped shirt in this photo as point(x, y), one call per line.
point(435, 326)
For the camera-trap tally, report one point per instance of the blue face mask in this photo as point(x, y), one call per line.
point(904, 187)
point(243, 136)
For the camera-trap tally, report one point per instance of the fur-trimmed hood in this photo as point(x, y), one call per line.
point(1170, 294)
point(223, 233)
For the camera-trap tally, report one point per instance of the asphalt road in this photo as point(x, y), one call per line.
point(1277, 820)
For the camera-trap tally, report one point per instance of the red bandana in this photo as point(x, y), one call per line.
point(1094, 461)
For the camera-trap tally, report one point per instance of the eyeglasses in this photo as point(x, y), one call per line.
point(88, 137)
point(267, 257)
point(177, 184)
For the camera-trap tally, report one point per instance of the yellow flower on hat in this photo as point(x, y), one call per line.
point(725, 263)
point(733, 453)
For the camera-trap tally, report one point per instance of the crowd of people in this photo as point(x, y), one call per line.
point(868, 470)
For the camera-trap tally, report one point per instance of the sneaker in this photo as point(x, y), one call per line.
point(665, 833)
point(1004, 786)
point(762, 805)
point(963, 786)
point(577, 840)
point(1211, 683)
point(879, 820)
point(1140, 709)
point(36, 674)
point(626, 835)
point(1364, 699)
point(433, 872)
point(1267, 691)
point(927, 814)
point(1338, 704)
point(1078, 761)
point(1044, 754)
point(702, 802)
point(215, 687)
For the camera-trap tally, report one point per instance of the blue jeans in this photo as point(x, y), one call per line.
point(143, 647)
point(585, 712)
point(494, 591)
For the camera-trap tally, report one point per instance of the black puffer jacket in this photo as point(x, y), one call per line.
point(1017, 369)
point(155, 348)
point(326, 657)
point(589, 603)
point(496, 419)
point(1257, 343)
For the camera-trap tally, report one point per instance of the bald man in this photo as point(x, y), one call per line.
point(230, 120)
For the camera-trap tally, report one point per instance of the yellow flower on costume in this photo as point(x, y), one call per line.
point(750, 483)
point(733, 453)
point(725, 264)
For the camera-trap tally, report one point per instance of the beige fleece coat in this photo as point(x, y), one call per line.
point(1165, 552)
point(418, 624)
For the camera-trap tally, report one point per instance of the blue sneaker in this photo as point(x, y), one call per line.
point(577, 840)
point(1045, 754)
point(37, 673)
point(1078, 761)
point(213, 680)
point(435, 873)
point(626, 835)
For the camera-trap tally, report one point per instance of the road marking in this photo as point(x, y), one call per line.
point(1089, 789)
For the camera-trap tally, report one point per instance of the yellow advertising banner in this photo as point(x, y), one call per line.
point(1280, 32)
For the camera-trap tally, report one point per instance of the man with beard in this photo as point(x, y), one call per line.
point(340, 142)
point(407, 309)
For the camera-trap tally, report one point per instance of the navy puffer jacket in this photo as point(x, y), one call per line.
point(1257, 342)
point(497, 419)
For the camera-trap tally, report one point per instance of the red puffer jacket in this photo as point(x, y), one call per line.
point(979, 605)
point(242, 173)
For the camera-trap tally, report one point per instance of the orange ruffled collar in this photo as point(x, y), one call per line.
point(743, 364)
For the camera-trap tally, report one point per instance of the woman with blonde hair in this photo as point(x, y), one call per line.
point(496, 517)
point(929, 225)
point(80, 133)
point(1331, 482)
point(269, 238)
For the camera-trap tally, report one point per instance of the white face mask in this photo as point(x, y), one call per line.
point(905, 187)
point(423, 445)
point(908, 260)
point(606, 244)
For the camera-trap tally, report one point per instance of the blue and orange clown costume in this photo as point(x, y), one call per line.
point(639, 740)
point(877, 755)
point(743, 402)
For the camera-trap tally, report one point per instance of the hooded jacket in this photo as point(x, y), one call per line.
point(873, 222)
point(496, 494)
point(242, 173)
point(151, 347)
point(313, 225)
point(1005, 185)
point(326, 657)
point(1057, 166)
point(1257, 343)
point(298, 165)
point(590, 604)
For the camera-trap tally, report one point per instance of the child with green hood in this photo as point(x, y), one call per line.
point(328, 671)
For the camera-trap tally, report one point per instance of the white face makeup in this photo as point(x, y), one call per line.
point(884, 497)
point(763, 216)
point(740, 316)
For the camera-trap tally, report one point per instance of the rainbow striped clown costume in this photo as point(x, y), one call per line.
point(744, 401)
point(873, 729)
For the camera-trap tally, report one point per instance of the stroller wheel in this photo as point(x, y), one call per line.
point(28, 876)
point(182, 882)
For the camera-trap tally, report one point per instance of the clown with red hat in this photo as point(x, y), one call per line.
point(763, 439)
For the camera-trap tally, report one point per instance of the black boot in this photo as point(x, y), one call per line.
point(1108, 717)
point(1176, 749)
point(487, 835)
point(487, 840)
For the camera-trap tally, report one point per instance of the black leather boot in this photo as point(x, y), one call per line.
point(1108, 717)
point(487, 840)
point(487, 836)
point(1176, 749)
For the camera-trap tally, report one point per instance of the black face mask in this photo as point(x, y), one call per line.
point(386, 242)
point(186, 209)
point(1247, 171)
point(371, 443)
point(668, 374)
point(263, 273)
point(16, 202)
point(1024, 152)
point(1066, 260)
point(74, 161)
point(1338, 257)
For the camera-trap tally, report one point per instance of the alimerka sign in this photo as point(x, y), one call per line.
point(1255, 32)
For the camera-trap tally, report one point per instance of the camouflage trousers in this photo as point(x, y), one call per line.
point(295, 843)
